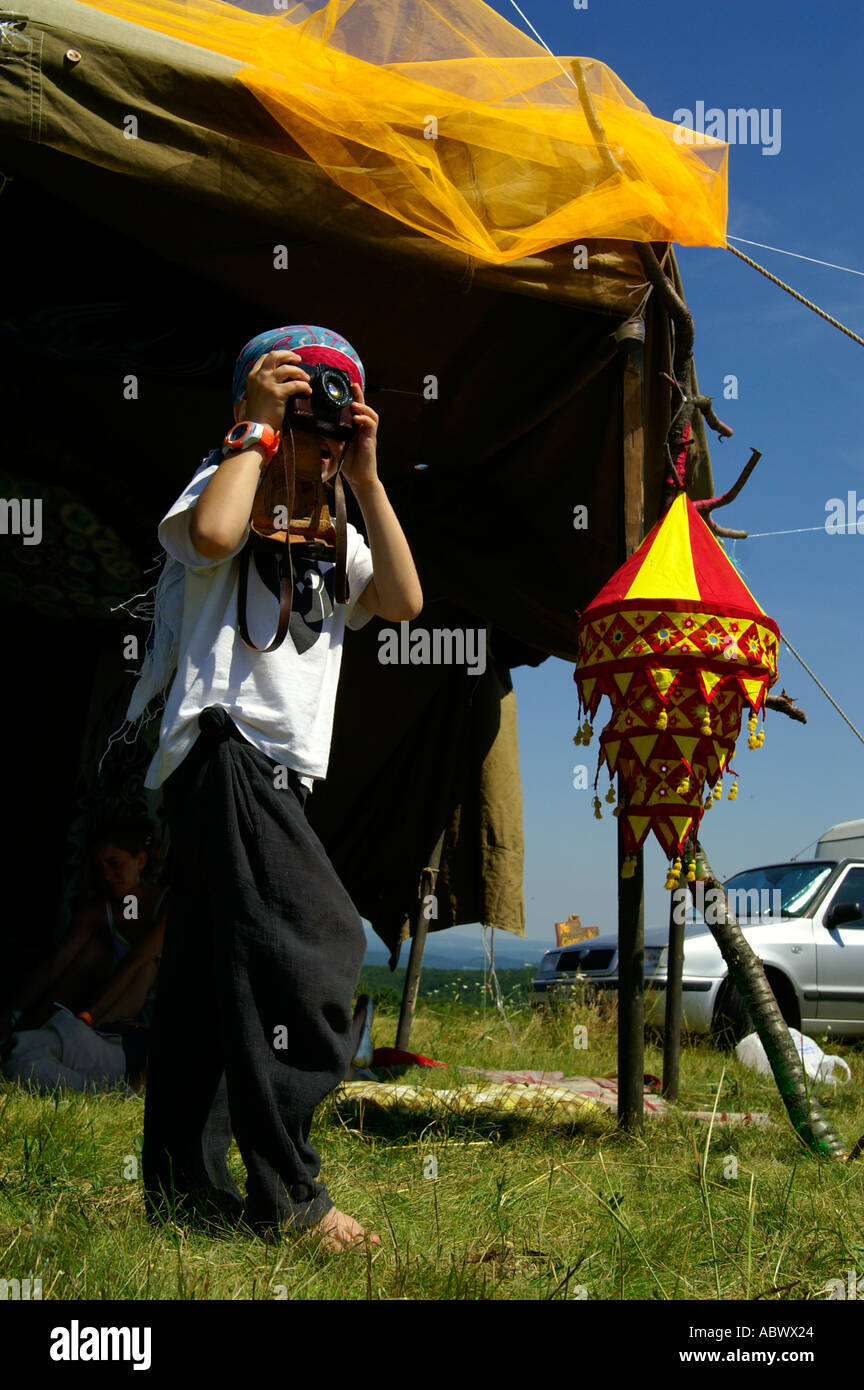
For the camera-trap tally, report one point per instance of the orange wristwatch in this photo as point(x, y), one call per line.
point(248, 432)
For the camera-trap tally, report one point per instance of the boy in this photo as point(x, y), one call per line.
point(263, 945)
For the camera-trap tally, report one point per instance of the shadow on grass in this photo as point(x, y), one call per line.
point(496, 1126)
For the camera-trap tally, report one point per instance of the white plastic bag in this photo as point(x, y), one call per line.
point(816, 1064)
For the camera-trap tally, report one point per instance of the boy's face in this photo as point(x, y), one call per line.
point(316, 456)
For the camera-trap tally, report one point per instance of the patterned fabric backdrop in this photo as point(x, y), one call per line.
point(116, 790)
point(81, 569)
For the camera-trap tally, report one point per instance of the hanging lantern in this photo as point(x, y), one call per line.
point(679, 645)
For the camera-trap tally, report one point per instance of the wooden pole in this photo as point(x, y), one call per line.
point(631, 910)
point(631, 998)
point(428, 879)
point(672, 1022)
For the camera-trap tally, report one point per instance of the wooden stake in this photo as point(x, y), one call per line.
point(631, 998)
point(672, 1022)
point(428, 879)
point(631, 909)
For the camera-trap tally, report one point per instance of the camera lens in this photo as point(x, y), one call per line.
point(334, 386)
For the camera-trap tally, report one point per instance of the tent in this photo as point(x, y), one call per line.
point(157, 213)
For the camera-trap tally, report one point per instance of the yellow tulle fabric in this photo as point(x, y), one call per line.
point(454, 121)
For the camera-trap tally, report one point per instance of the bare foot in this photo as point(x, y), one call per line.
point(341, 1232)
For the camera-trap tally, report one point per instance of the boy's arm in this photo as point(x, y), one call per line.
point(394, 591)
point(221, 514)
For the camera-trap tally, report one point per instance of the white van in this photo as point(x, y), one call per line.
point(844, 841)
point(811, 944)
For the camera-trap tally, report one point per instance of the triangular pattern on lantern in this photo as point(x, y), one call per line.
point(679, 645)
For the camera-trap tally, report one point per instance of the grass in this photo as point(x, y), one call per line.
point(519, 1210)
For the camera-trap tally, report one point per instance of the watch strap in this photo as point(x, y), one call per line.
point(268, 438)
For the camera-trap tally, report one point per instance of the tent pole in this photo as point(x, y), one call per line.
point(631, 906)
point(428, 879)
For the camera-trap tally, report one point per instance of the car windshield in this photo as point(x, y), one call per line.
point(776, 891)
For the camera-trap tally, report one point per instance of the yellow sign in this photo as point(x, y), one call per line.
point(566, 933)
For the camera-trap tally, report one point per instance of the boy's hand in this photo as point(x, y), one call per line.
point(275, 377)
point(361, 462)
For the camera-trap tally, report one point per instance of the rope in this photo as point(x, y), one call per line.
point(780, 252)
point(848, 526)
point(499, 1001)
point(540, 39)
point(821, 687)
point(795, 295)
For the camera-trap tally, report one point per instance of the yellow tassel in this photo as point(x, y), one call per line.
point(598, 814)
point(610, 795)
point(587, 731)
point(577, 738)
point(706, 727)
point(718, 791)
point(683, 787)
point(733, 793)
point(691, 871)
point(662, 719)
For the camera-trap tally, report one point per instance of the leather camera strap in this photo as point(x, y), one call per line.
point(286, 571)
point(286, 583)
point(341, 576)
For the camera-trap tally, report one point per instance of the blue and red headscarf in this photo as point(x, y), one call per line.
point(312, 344)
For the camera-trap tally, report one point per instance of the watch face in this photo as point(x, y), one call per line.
point(239, 432)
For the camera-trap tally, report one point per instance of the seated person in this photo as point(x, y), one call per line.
point(103, 972)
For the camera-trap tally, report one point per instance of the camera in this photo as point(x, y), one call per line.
point(328, 409)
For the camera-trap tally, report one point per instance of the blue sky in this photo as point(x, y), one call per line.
point(799, 389)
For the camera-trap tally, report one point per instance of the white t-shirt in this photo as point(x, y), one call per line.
point(281, 701)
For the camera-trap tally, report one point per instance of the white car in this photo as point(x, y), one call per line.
point(803, 919)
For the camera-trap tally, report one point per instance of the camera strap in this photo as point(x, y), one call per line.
point(318, 526)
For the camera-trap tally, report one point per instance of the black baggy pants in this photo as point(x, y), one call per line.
point(252, 1026)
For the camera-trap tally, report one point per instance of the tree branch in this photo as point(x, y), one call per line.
point(748, 975)
point(783, 704)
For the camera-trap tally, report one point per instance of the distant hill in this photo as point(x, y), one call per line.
point(458, 954)
point(442, 987)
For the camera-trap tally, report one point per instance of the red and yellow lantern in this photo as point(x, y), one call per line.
point(679, 645)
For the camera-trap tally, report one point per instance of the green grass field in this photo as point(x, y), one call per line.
point(519, 1209)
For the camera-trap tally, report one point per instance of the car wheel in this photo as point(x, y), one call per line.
point(732, 1020)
